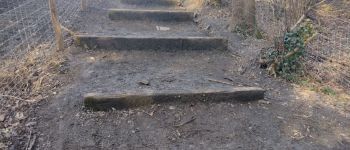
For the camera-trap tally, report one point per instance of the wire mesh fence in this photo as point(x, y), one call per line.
point(26, 35)
point(275, 17)
point(30, 63)
point(327, 55)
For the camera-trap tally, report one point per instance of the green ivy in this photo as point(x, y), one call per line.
point(293, 45)
point(291, 67)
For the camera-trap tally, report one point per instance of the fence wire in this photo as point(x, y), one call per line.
point(27, 41)
point(30, 64)
point(327, 55)
point(275, 17)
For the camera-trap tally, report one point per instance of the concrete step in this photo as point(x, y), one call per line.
point(168, 3)
point(152, 15)
point(151, 43)
point(103, 102)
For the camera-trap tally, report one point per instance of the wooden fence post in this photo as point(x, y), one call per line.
point(82, 5)
point(245, 15)
point(56, 25)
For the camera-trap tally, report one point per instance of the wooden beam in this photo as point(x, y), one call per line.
point(109, 101)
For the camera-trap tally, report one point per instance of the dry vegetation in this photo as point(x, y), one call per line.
point(33, 79)
point(322, 60)
point(327, 56)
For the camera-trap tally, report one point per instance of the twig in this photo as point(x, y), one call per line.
point(235, 55)
point(32, 143)
point(299, 21)
point(187, 122)
point(227, 78)
point(218, 81)
point(28, 142)
point(150, 115)
point(14, 97)
point(72, 33)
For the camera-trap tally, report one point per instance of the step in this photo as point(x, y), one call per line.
point(152, 15)
point(103, 102)
point(150, 2)
point(151, 43)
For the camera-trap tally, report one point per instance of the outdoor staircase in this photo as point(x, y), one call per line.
point(162, 38)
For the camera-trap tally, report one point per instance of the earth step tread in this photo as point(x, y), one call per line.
point(150, 2)
point(151, 43)
point(153, 15)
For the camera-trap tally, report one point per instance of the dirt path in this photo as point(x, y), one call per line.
point(288, 118)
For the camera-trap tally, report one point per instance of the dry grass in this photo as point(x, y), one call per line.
point(193, 4)
point(329, 54)
point(275, 17)
point(27, 77)
point(23, 83)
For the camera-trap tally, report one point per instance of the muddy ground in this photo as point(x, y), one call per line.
point(290, 116)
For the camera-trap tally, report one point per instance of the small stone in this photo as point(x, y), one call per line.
point(144, 82)
point(172, 107)
point(2, 146)
point(20, 115)
point(264, 102)
point(160, 28)
point(2, 118)
point(30, 124)
point(240, 69)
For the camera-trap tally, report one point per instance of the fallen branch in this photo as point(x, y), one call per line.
point(31, 145)
point(14, 97)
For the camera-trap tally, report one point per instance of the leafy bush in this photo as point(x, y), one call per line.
point(285, 60)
